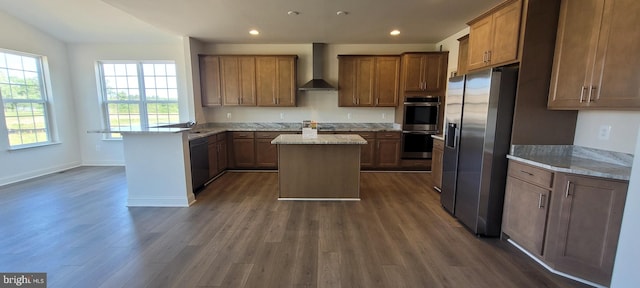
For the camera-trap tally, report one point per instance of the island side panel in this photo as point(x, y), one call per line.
point(158, 170)
point(319, 171)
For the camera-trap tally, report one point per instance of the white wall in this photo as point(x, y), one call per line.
point(452, 45)
point(22, 164)
point(83, 57)
point(625, 269)
point(314, 105)
point(624, 129)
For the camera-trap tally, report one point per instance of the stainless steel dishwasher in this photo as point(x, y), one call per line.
point(199, 154)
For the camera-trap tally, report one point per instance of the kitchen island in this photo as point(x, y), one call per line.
point(322, 168)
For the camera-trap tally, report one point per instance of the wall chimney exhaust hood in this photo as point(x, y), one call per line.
point(317, 83)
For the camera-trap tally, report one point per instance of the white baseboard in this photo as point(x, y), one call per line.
point(554, 271)
point(38, 173)
point(158, 202)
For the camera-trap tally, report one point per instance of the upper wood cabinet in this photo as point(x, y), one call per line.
point(463, 55)
point(276, 80)
point(238, 78)
point(210, 80)
point(368, 80)
point(424, 72)
point(596, 60)
point(248, 80)
point(494, 36)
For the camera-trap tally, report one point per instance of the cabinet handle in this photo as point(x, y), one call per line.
point(540, 201)
point(484, 57)
point(582, 93)
point(489, 56)
point(525, 172)
point(566, 193)
point(377, 100)
point(591, 92)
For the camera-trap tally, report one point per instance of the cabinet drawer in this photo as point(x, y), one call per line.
point(531, 174)
point(221, 136)
point(388, 135)
point(438, 144)
point(242, 135)
point(268, 135)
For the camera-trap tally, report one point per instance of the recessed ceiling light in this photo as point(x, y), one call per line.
point(395, 32)
point(254, 32)
point(293, 13)
point(341, 13)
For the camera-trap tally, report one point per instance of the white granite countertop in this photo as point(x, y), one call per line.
point(294, 139)
point(203, 130)
point(142, 130)
point(575, 160)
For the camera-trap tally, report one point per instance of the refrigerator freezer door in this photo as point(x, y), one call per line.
point(453, 116)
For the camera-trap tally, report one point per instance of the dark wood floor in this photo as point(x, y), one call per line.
point(75, 226)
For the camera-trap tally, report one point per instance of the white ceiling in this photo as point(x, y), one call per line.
point(228, 21)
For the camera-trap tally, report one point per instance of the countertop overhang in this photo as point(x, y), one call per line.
point(575, 160)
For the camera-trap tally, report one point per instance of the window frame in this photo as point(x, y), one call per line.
point(45, 100)
point(142, 103)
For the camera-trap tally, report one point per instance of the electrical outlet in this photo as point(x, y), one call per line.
point(281, 116)
point(348, 115)
point(228, 115)
point(384, 115)
point(604, 132)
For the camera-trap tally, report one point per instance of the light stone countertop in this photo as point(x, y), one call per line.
point(295, 139)
point(575, 160)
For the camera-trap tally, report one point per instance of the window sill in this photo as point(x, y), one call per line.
point(33, 146)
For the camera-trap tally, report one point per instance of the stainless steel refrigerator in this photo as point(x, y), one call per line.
point(478, 121)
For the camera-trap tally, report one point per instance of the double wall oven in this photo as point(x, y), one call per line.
point(419, 123)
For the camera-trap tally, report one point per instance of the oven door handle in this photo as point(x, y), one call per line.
point(422, 104)
point(420, 132)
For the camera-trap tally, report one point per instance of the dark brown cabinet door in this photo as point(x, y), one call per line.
point(213, 157)
point(243, 149)
point(276, 80)
point(412, 68)
point(387, 81)
point(365, 75)
point(436, 162)
point(388, 146)
point(238, 74)
point(210, 80)
point(367, 151)
point(584, 228)
point(266, 153)
point(222, 153)
point(525, 214)
point(424, 72)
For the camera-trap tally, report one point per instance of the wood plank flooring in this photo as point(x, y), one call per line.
point(75, 226)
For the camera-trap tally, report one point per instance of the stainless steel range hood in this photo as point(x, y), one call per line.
point(317, 83)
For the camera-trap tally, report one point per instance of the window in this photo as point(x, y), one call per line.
point(24, 98)
point(138, 94)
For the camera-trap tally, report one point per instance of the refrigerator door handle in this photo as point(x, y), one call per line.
point(451, 135)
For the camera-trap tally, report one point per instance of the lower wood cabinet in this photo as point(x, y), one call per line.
point(243, 150)
point(584, 226)
point(217, 154)
point(388, 145)
point(436, 162)
point(266, 153)
point(368, 151)
point(570, 222)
